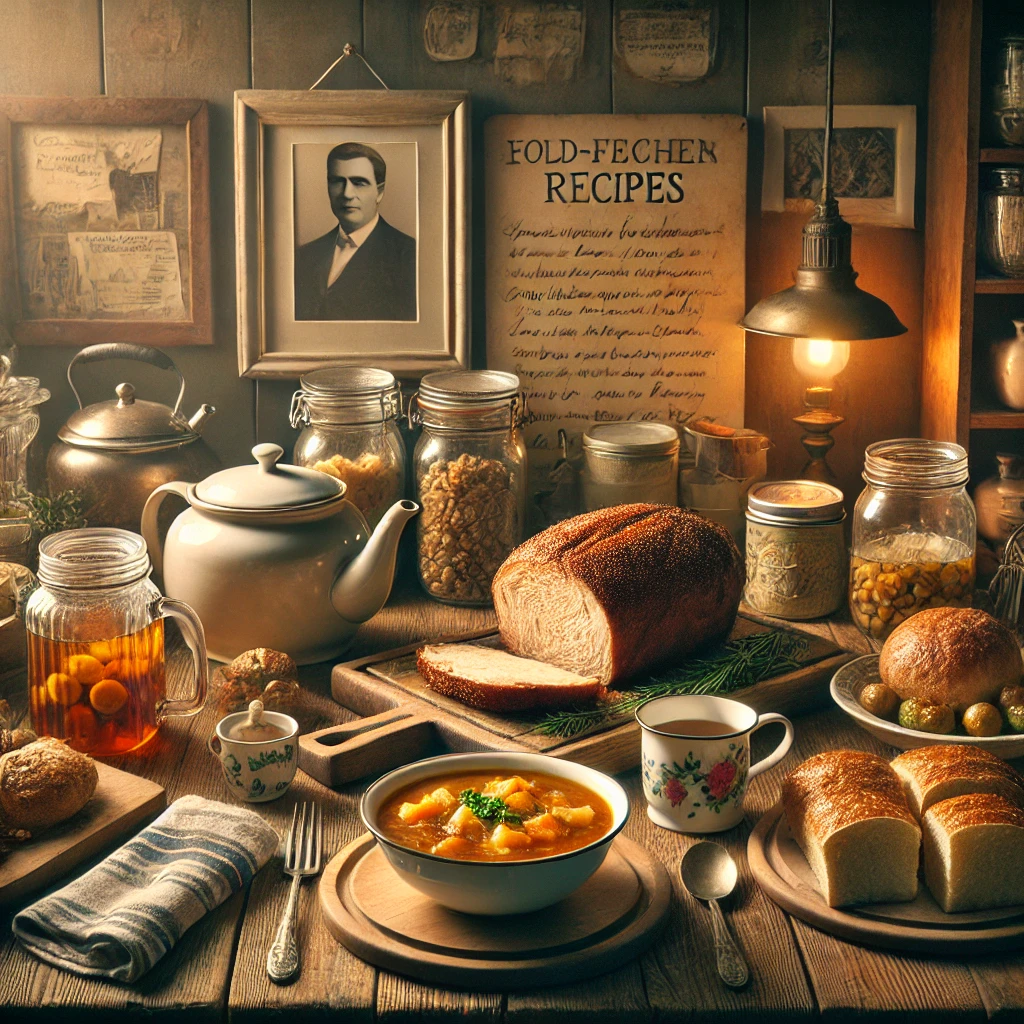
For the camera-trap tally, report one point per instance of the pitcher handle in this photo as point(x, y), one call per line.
point(192, 630)
point(780, 751)
point(150, 512)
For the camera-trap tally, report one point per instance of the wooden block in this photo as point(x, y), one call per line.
point(120, 806)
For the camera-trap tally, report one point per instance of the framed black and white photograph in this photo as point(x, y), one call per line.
point(352, 228)
point(873, 161)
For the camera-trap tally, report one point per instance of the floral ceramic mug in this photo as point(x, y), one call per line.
point(257, 770)
point(693, 781)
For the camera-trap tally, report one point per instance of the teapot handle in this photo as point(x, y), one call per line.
point(150, 512)
point(124, 350)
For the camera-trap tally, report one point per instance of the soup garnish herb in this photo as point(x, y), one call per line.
point(489, 808)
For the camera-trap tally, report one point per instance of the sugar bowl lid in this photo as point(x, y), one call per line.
point(268, 484)
point(800, 500)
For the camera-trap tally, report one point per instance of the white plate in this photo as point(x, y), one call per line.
point(846, 686)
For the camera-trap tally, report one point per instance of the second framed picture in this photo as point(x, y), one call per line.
point(351, 230)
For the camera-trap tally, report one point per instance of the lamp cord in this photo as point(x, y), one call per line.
point(826, 182)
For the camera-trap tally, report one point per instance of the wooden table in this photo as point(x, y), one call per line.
point(798, 973)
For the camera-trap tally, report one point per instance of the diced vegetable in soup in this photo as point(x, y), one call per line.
point(490, 816)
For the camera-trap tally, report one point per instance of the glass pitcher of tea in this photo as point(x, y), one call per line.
point(95, 627)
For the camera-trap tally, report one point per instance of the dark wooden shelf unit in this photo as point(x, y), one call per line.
point(997, 155)
point(999, 286)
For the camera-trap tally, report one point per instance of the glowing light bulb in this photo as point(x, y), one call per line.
point(820, 359)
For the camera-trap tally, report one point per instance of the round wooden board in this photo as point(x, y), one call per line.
point(782, 871)
point(610, 919)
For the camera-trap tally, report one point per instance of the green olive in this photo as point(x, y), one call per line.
point(983, 720)
point(1015, 717)
point(1011, 695)
point(926, 716)
point(880, 700)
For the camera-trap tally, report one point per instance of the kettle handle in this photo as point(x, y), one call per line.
point(150, 511)
point(124, 350)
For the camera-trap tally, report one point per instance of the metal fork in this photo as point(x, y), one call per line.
point(303, 853)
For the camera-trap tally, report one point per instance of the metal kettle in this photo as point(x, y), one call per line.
point(116, 453)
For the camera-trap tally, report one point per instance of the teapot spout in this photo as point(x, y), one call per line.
point(365, 584)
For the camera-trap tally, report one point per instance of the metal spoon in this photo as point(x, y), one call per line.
point(709, 873)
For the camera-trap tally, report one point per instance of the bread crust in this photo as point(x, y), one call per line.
point(954, 656)
point(504, 698)
point(943, 761)
point(975, 809)
point(44, 783)
point(667, 580)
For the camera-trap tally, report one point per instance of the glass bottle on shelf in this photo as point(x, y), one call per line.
point(348, 417)
point(470, 471)
point(914, 534)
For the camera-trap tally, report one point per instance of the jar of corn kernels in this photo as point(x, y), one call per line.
point(914, 532)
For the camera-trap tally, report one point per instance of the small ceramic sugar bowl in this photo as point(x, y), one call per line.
point(258, 752)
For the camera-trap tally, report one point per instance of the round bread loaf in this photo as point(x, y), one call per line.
point(954, 656)
point(44, 783)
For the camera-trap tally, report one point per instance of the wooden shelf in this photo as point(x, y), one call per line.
point(997, 419)
point(999, 285)
point(998, 155)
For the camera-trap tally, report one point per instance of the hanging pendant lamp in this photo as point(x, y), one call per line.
point(825, 301)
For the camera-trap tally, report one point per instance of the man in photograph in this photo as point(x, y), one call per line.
point(364, 269)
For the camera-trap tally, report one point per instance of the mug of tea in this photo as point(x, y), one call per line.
point(258, 766)
point(696, 760)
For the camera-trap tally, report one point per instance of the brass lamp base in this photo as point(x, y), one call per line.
point(818, 422)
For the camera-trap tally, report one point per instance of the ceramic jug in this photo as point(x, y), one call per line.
point(1008, 368)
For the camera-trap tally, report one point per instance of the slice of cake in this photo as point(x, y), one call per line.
point(847, 811)
point(931, 774)
point(974, 852)
point(484, 677)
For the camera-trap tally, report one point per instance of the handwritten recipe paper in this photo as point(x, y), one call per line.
point(615, 268)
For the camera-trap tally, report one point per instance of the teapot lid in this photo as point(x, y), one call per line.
point(268, 485)
point(126, 424)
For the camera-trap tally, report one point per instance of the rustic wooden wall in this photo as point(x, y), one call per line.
point(771, 52)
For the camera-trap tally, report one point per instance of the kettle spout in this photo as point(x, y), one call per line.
point(365, 583)
point(198, 421)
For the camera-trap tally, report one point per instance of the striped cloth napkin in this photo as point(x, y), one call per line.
point(118, 919)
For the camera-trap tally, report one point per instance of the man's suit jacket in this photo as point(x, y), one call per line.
point(378, 282)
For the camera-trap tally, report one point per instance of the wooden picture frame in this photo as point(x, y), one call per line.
point(404, 307)
point(93, 249)
point(893, 129)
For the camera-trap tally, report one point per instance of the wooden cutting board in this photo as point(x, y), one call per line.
point(121, 805)
point(782, 871)
point(614, 916)
point(389, 682)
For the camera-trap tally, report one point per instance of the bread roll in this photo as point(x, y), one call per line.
point(954, 656)
point(484, 677)
point(847, 811)
point(974, 852)
point(613, 593)
point(44, 783)
point(944, 770)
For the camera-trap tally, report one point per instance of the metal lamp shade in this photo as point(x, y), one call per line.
point(824, 303)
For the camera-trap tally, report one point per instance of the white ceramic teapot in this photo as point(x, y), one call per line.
point(274, 556)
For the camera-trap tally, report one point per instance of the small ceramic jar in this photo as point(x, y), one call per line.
point(629, 462)
point(796, 552)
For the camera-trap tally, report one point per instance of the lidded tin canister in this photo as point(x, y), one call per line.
point(796, 552)
point(630, 461)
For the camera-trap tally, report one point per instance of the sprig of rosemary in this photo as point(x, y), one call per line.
point(489, 808)
point(735, 665)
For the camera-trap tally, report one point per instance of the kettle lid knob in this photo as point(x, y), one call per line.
point(267, 456)
point(125, 394)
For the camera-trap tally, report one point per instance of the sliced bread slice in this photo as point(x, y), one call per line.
point(484, 677)
point(974, 852)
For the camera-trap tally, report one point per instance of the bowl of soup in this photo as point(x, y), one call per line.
point(495, 833)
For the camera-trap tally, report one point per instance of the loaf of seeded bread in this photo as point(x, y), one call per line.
point(613, 593)
point(944, 770)
point(974, 852)
point(484, 677)
point(847, 811)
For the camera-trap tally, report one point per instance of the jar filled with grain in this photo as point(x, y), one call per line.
point(914, 533)
point(630, 462)
point(348, 418)
point(470, 471)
